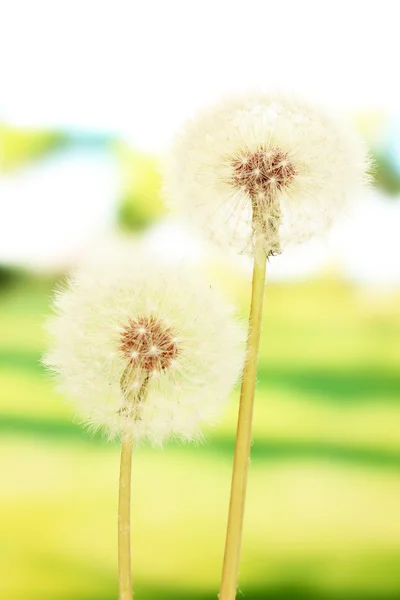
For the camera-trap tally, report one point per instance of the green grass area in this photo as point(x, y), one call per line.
point(324, 490)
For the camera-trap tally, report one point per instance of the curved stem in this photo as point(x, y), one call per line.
point(124, 521)
point(243, 436)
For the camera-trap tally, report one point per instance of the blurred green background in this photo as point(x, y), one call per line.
point(324, 490)
point(322, 520)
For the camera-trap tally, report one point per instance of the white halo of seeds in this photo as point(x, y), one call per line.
point(93, 312)
point(328, 158)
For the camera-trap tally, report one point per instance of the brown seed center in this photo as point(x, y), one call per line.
point(147, 343)
point(263, 172)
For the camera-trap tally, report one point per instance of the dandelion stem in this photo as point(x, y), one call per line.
point(124, 502)
point(243, 436)
point(124, 521)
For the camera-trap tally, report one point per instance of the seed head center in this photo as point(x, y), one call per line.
point(149, 344)
point(263, 172)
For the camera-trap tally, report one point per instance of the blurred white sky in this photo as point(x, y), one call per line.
point(141, 68)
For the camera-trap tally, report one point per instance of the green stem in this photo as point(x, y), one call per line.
point(243, 436)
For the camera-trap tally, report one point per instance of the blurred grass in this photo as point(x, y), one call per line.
point(322, 515)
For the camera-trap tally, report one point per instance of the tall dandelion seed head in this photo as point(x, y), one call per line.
point(148, 351)
point(264, 168)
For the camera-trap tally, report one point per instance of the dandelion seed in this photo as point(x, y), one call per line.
point(273, 169)
point(129, 362)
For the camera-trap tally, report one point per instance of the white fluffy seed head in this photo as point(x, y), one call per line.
point(144, 350)
point(264, 167)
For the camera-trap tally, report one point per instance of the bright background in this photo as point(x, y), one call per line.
point(91, 94)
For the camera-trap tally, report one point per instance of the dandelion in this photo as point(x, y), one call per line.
point(144, 353)
point(260, 172)
point(265, 170)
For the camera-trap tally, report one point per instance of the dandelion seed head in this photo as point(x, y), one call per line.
point(143, 349)
point(260, 169)
point(264, 168)
point(148, 344)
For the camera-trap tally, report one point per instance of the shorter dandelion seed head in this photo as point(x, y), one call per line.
point(142, 349)
point(148, 344)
